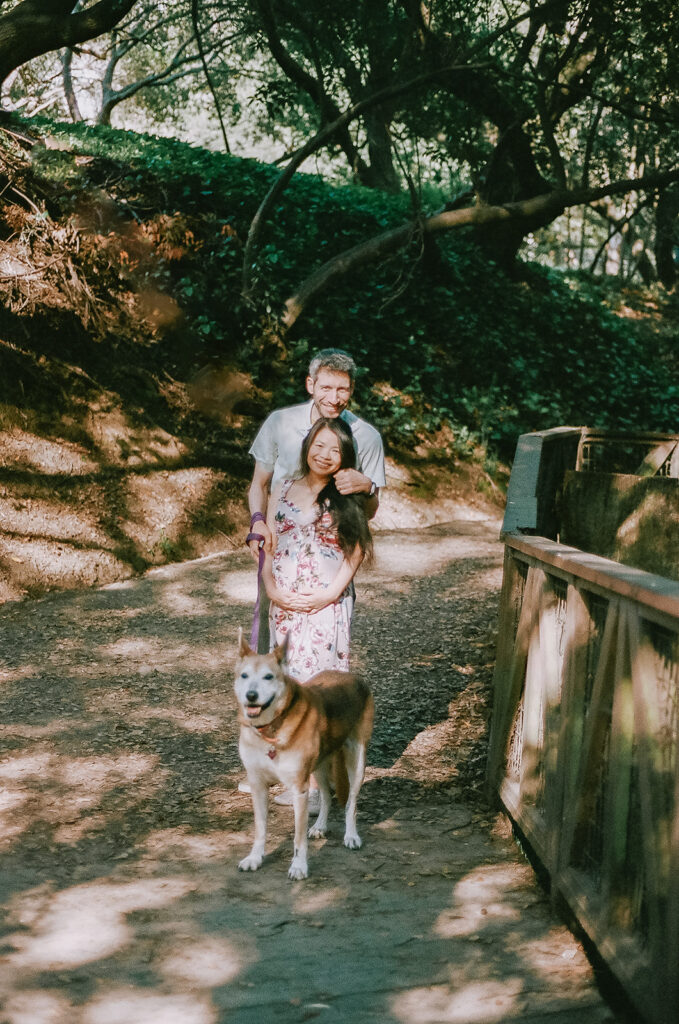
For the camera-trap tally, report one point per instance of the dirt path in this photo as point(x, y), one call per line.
point(121, 825)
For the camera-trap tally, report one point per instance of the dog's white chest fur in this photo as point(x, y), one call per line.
point(265, 757)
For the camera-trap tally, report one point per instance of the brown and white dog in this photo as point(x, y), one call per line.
point(289, 731)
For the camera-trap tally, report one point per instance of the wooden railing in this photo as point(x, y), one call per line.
point(583, 750)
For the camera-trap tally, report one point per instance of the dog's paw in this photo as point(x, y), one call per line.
point(298, 870)
point(317, 831)
point(250, 863)
point(352, 841)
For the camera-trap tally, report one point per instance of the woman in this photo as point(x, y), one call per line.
point(321, 538)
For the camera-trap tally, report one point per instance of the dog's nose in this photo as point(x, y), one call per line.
point(251, 696)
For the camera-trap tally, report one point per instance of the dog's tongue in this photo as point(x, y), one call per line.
point(253, 712)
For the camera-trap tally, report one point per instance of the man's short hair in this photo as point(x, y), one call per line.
point(332, 359)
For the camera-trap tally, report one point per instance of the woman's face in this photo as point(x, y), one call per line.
point(324, 454)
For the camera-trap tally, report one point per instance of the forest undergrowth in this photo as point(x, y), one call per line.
point(134, 375)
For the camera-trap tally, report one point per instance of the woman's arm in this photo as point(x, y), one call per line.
point(313, 601)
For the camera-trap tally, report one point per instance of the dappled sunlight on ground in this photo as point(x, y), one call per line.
point(483, 1002)
point(183, 720)
point(479, 1003)
point(59, 563)
point(122, 825)
point(479, 902)
point(21, 448)
point(238, 586)
point(182, 844)
point(43, 521)
point(139, 1006)
point(50, 788)
point(316, 902)
point(117, 438)
point(81, 924)
point(145, 652)
point(425, 552)
point(178, 603)
point(201, 960)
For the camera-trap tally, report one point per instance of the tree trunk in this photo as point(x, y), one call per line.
point(34, 27)
point(381, 173)
point(667, 236)
point(69, 91)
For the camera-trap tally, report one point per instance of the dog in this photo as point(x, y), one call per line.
point(289, 731)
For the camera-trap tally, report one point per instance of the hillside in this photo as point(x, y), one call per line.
point(133, 378)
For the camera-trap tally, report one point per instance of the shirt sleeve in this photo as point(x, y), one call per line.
point(372, 459)
point(264, 448)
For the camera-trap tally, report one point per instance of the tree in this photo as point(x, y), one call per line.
point(538, 108)
point(34, 27)
point(156, 48)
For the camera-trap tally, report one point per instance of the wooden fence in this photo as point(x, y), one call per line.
point(583, 749)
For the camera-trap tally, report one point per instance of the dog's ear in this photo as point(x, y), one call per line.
point(281, 651)
point(243, 647)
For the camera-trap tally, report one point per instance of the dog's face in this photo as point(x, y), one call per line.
point(260, 682)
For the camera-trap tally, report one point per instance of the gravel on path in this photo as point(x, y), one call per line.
point(121, 825)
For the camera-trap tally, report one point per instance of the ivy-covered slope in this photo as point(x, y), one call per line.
point(445, 336)
point(133, 377)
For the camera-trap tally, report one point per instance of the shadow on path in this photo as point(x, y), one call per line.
point(121, 826)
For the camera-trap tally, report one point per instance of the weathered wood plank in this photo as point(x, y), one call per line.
point(511, 678)
point(657, 829)
point(579, 804)
point(649, 590)
point(571, 735)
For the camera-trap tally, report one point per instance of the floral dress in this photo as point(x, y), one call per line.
point(308, 557)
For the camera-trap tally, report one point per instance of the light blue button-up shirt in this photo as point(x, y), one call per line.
point(278, 444)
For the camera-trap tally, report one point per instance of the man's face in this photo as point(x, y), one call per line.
point(330, 391)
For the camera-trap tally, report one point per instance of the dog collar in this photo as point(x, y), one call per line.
point(259, 729)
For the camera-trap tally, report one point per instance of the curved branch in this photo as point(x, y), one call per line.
point(313, 87)
point(317, 142)
point(529, 214)
point(116, 96)
point(206, 72)
point(340, 123)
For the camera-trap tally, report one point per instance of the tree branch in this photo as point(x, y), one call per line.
point(206, 72)
point(317, 142)
point(34, 27)
point(529, 214)
point(313, 87)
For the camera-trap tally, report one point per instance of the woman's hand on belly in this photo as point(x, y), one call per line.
point(312, 600)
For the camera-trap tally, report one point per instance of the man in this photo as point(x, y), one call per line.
point(277, 447)
point(277, 450)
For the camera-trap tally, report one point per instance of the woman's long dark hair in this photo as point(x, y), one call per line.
point(347, 510)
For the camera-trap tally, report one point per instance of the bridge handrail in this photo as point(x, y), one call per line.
point(584, 741)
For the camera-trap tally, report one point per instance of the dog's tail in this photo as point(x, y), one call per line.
point(340, 777)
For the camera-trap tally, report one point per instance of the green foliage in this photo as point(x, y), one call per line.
point(445, 338)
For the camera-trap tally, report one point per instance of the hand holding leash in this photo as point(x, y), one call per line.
point(260, 539)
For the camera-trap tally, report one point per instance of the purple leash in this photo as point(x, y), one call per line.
point(257, 517)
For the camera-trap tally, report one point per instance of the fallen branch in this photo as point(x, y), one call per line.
point(528, 213)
